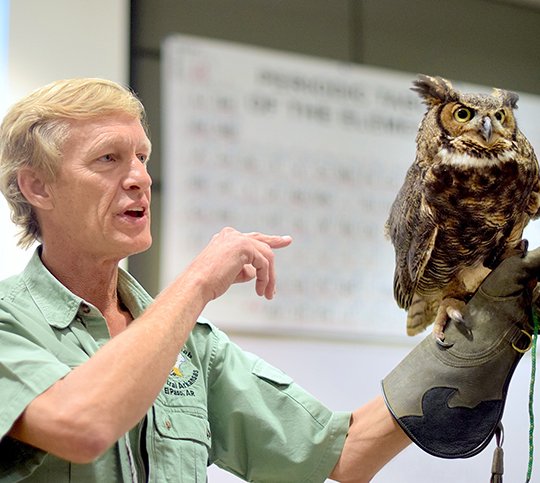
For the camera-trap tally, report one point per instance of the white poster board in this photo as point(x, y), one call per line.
point(286, 144)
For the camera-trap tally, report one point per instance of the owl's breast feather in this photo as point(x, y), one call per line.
point(494, 194)
point(466, 160)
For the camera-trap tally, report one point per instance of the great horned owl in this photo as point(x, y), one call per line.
point(465, 201)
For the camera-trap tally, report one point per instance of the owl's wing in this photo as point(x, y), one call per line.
point(527, 152)
point(413, 231)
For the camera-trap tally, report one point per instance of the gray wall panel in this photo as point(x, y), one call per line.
point(480, 41)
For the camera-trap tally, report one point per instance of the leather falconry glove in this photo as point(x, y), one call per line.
point(450, 400)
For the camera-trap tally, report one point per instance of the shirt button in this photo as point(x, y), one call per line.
point(168, 424)
point(85, 309)
point(81, 321)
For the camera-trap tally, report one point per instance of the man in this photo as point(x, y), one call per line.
point(98, 382)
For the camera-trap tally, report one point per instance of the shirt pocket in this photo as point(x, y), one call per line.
point(179, 444)
point(271, 374)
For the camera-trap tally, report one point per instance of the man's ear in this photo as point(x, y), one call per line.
point(35, 188)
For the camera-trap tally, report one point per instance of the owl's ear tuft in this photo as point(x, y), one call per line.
point(508, 98)
point(434, 90)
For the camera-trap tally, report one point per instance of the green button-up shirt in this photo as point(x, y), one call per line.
point(219, 404)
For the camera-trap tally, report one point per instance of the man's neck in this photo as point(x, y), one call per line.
point(94, 280)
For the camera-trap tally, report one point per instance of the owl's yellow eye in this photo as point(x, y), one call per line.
point(500, 116)
point(463, 114)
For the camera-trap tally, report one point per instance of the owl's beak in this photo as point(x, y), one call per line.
point(486, 129)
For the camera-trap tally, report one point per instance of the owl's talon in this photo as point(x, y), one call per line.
point(438, 335)
point(442, 343)
point(465, 330)
point(455, 315)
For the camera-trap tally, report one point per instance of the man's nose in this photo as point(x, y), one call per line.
point(138, 177)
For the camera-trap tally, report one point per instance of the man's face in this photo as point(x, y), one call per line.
point(101, 197)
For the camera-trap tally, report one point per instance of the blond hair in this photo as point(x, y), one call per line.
point(34, 130)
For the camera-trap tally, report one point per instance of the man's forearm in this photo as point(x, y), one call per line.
point(374, 438)
point(81, 415)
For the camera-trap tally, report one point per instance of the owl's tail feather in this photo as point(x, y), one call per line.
point(421, 314)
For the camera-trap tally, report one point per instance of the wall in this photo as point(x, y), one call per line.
point(487, 42)
point(53, 40)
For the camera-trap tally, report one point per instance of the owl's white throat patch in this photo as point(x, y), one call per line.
point(466, 161)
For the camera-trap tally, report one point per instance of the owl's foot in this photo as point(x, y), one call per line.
point(448, 309)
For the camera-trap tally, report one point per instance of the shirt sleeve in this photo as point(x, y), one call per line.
point(264, 426)
point(26, 370)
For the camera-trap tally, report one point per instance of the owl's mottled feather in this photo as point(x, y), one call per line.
point(465, 201)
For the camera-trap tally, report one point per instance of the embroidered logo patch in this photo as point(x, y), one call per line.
point(176, 369)
point(182, 377)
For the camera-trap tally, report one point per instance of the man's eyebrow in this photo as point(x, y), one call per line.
point(111, 140)
point(148, 146)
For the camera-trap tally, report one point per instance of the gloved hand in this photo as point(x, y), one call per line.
point(449, 400)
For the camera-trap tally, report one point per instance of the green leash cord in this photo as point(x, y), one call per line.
point(531, 396)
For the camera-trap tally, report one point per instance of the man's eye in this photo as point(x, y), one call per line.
point(143, 158)
point(107, 158)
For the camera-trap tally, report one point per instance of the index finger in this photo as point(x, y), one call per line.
point(273, 241)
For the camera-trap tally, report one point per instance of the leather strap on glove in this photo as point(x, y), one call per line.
point(449, 400)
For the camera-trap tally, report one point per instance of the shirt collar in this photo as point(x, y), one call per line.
point(59, 306)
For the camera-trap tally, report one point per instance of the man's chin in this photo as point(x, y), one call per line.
point(142, 248)
point(134, 247)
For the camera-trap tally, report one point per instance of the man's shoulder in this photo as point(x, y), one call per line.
point(14, 286)
point(207, 335)
point(10, 287)
point(205, 326)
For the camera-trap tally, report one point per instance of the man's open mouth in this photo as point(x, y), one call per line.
point(135, 213)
